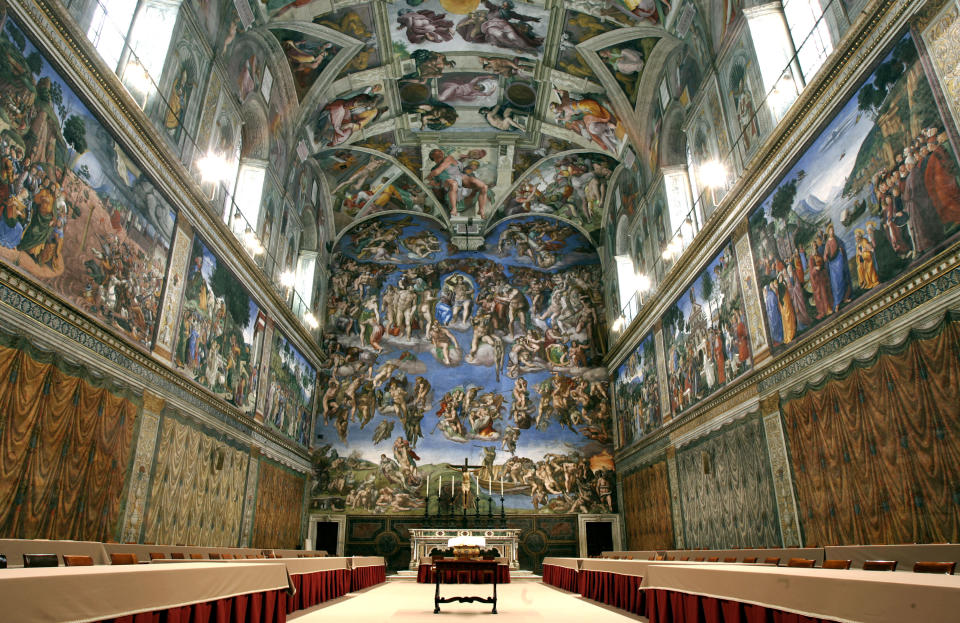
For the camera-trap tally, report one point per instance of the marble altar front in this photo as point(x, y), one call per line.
point(424, 540)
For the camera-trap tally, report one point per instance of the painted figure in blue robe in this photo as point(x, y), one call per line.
point(773, 314)
point(839, 268)
point(444, 309)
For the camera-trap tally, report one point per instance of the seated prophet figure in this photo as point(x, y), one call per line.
point(501, 26)
point(425, 25)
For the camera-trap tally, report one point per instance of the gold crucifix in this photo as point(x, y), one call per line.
point(465, 480)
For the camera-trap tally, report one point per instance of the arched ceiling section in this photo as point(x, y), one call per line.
point(464, 109)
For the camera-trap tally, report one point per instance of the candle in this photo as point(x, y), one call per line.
point(427, 488)
point(453, 480)
point(439, 485)
point(501, 486)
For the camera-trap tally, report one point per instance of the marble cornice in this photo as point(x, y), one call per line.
point(850, 62)
point(68, 49)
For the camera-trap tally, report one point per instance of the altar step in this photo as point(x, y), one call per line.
point(518, 575)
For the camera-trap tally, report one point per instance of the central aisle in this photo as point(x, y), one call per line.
point(408, 601)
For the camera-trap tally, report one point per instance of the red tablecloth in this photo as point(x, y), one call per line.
point(613, 589)
point(561, 577)
point(316, 588)
point(362, 577)
point(668, 606)
point(425, 575)
point(265, 607)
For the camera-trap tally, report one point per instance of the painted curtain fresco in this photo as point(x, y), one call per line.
point(78, 215)
point(875, 194)
point(67, 442)
point(442, 355)
point(646, 508)
point(220, 325)
point(198, 485)
point(727, 474)
point(276, 519)
point(860, 478)
point(705, 334)
point(636, 392)
point(290, 395)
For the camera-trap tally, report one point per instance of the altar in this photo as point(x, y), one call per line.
point(424, 540)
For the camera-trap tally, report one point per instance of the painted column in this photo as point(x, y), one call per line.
point(250, 497)
point(780, 465)
point(666, 414)
point(264, 380)
point(751, 297)
point(143, 461)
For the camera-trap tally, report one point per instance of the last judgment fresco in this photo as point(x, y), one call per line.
point(438, 355)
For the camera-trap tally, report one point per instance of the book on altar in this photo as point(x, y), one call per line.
point(468, 541)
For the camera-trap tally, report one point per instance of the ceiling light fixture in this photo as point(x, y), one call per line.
point(213, 167)
point(713, 173)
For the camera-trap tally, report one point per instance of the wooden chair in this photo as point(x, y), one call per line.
point(772, 560)
point(880, 565)
point(123, 559)
point(732, 559)
point(698, 559)
point(177, 556)
point(804, 563)
point(77, 561)
point(196, 556)
point(684, 558)
point(934, 567)
point(669, 557)
point(31, 561)
point(227, 556)
point(750, 559)
point(214, 556)
point(837, 564)
point(158, 556)
point(713, 559)
point(251, 556)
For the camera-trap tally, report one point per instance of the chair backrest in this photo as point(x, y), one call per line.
point(669, 557)
point(77, 561)
point(230, 556)
point(196, 556)
point(698, 559)
point(658, 557)
point(40, 560)
point(684, 558)
point(3, 561)
point(251, 556)
point(880, 565)
point(750, 559)
point(934, 567)
point(214, 556)
point(801, 562)
point(713, 559)
point(177, 556)
point(731, 559)
point(117, 558)
point(772, 560)
point(158, 556)
point(837, 564)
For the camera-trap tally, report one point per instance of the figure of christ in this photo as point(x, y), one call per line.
point(452, 174)
point(465, 480)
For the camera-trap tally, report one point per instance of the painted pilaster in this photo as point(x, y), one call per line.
point(779, 464)
point(674, 480)
point(176, 276)
point(264, 374)
point(667, 415)
point(751, 297)
point(942, 39)
point(250, 497)
point(142, 462)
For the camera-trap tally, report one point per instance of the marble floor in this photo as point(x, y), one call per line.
point(407, 601)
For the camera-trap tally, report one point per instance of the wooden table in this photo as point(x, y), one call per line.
point(472, 567)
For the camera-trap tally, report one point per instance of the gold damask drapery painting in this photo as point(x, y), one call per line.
point(197, 491)
point(646, 508)
point(876, 450)
point(276, 520)
point(65, 446)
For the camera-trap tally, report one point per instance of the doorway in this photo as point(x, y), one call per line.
point(599, 537)
point(328, 533)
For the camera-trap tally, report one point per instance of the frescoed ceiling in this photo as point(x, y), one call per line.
point(473, 110)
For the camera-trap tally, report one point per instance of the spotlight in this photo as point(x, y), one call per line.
point(713, 174)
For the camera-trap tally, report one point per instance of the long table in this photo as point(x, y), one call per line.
point(905, 555)
point(726, 593)
point(426, 573)
point(562, 572)
point(366, 571)
point(14, 549)
point(197, 592)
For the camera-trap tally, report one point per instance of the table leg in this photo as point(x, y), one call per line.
point(494, 591)
point(436, 596)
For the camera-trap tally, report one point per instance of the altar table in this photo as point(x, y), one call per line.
point(425, 540)
point(175, 593)
point(727, 593)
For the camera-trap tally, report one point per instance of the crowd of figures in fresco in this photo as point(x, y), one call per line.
point(876, 192)
point(636, 393)
point(450, 352)
point(290, 393)
point(76, 213)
